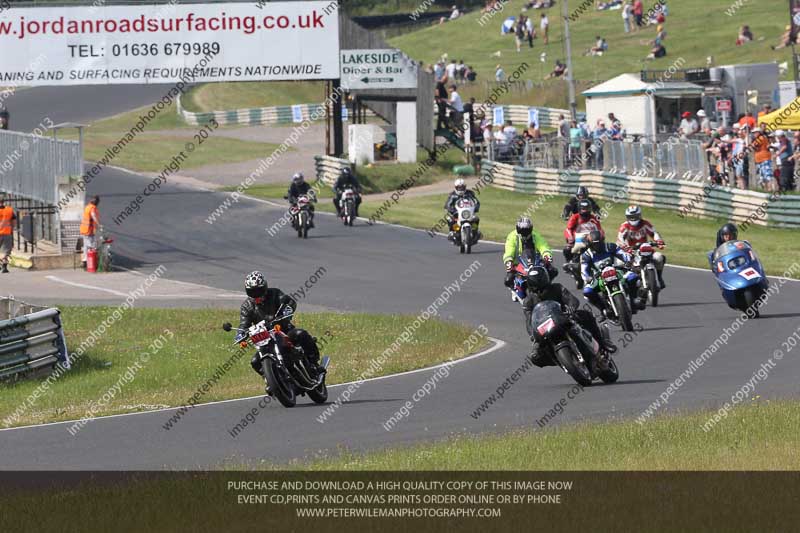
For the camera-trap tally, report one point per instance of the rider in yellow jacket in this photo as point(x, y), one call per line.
point(525, 238)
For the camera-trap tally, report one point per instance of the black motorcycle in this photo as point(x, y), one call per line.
point(284, 365)
point(570, 346)
point(301, 213)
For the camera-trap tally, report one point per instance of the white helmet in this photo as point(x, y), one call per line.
point(298, 178)
point(461, 186)
point(634, 215)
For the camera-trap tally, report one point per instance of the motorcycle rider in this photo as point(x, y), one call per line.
point(460, 191)
point(346, 178)
point(525, 240)
point(600, 251)
point(728, 232)
point(584, 221)
point(636, 230)
point(571, 207)
point(261, 304)
point(542, 289)
point(298, 188)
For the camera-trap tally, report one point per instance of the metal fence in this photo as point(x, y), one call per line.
point(30, 165)
point(684, 160)
point(31, 339)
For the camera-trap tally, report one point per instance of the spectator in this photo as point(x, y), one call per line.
point(441, 105)
point(766, 110)
point(488, 134)
point(499, 74)
point(519, 32)
point(530, 31)
point(455, 13)
point(615, 131)
point(787, 39)
point(500, 136)
point(509, 131)
point(638, 13)
point(600, 136)
point(438, 70)
point(763, 158)
point(705, 124)
point(534, 131)
point(470, 74)
point(614, 121)
point(90, 222)
point(575, 138)
point(469, 111)
point(544, 24)
point(456, 107)
point(745, 35)
point(7, 218)
point(785, 162)
point(563, 127)
point(688, 126)
point(451, 71)
point(658, 50)
point(460, 68)
point(627, 15)
point(749, 121)
point(796, 155)
point(559, 70)
point(599, 47)
point(739, 157)
point(4, 117)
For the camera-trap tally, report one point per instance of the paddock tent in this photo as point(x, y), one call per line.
point(785, 118)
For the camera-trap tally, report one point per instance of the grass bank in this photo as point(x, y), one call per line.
point(194, 345)
point(759, 436)
point(163, 139)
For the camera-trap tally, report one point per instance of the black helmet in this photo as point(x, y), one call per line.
point(582, 193)
point(255, 285)
point(584, 208)
point(524, 226)
point(596, 241)
point(346, 171)
point(728, 229)
point(538, 278)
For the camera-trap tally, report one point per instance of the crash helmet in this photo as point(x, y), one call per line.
point(298, 178)
point(461, 186)
point(255, 285)
point(596, 241)
point(633, 214)
point(582, 193)
point(584, 209)
point(524, 226)
point(346, 171)
point(730, 231)
point(538, 278)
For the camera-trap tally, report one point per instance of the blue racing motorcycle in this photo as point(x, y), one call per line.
point(739, 274)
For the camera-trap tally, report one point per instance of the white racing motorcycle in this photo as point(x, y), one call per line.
point(465, 232)
point(347, 205)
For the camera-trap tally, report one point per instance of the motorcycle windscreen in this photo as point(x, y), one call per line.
point(730, 247)
point(545, 315)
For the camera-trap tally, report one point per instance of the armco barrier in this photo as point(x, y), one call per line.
point(328, 168)
point(31, 338)
point(255, 116)
point(692, 198)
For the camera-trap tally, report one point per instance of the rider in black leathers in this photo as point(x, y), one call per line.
point(540, 288)
point(572, 205)
point(298, 188)
point(346, 178)
point(728, 232)
point(261, 304)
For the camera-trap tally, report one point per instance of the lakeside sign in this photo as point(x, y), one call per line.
point(377, 69)
point(165, 43)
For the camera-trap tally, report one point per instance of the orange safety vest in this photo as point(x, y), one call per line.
point(87, 222)
point(6, 215)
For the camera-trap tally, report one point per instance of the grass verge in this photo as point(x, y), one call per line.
point(759, 436)
point(164, 138)
point(196, 348)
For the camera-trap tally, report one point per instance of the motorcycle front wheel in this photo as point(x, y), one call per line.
point(278, 386)
point(320, 394)
point(569, 361)
point(652, 287)
point(623, 311)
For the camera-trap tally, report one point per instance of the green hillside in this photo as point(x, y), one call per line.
point(695, 30)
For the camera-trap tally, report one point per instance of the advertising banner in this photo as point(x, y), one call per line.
point(169, 42)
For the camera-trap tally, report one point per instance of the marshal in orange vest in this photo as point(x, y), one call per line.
point(90, 214)
point(6, 216)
